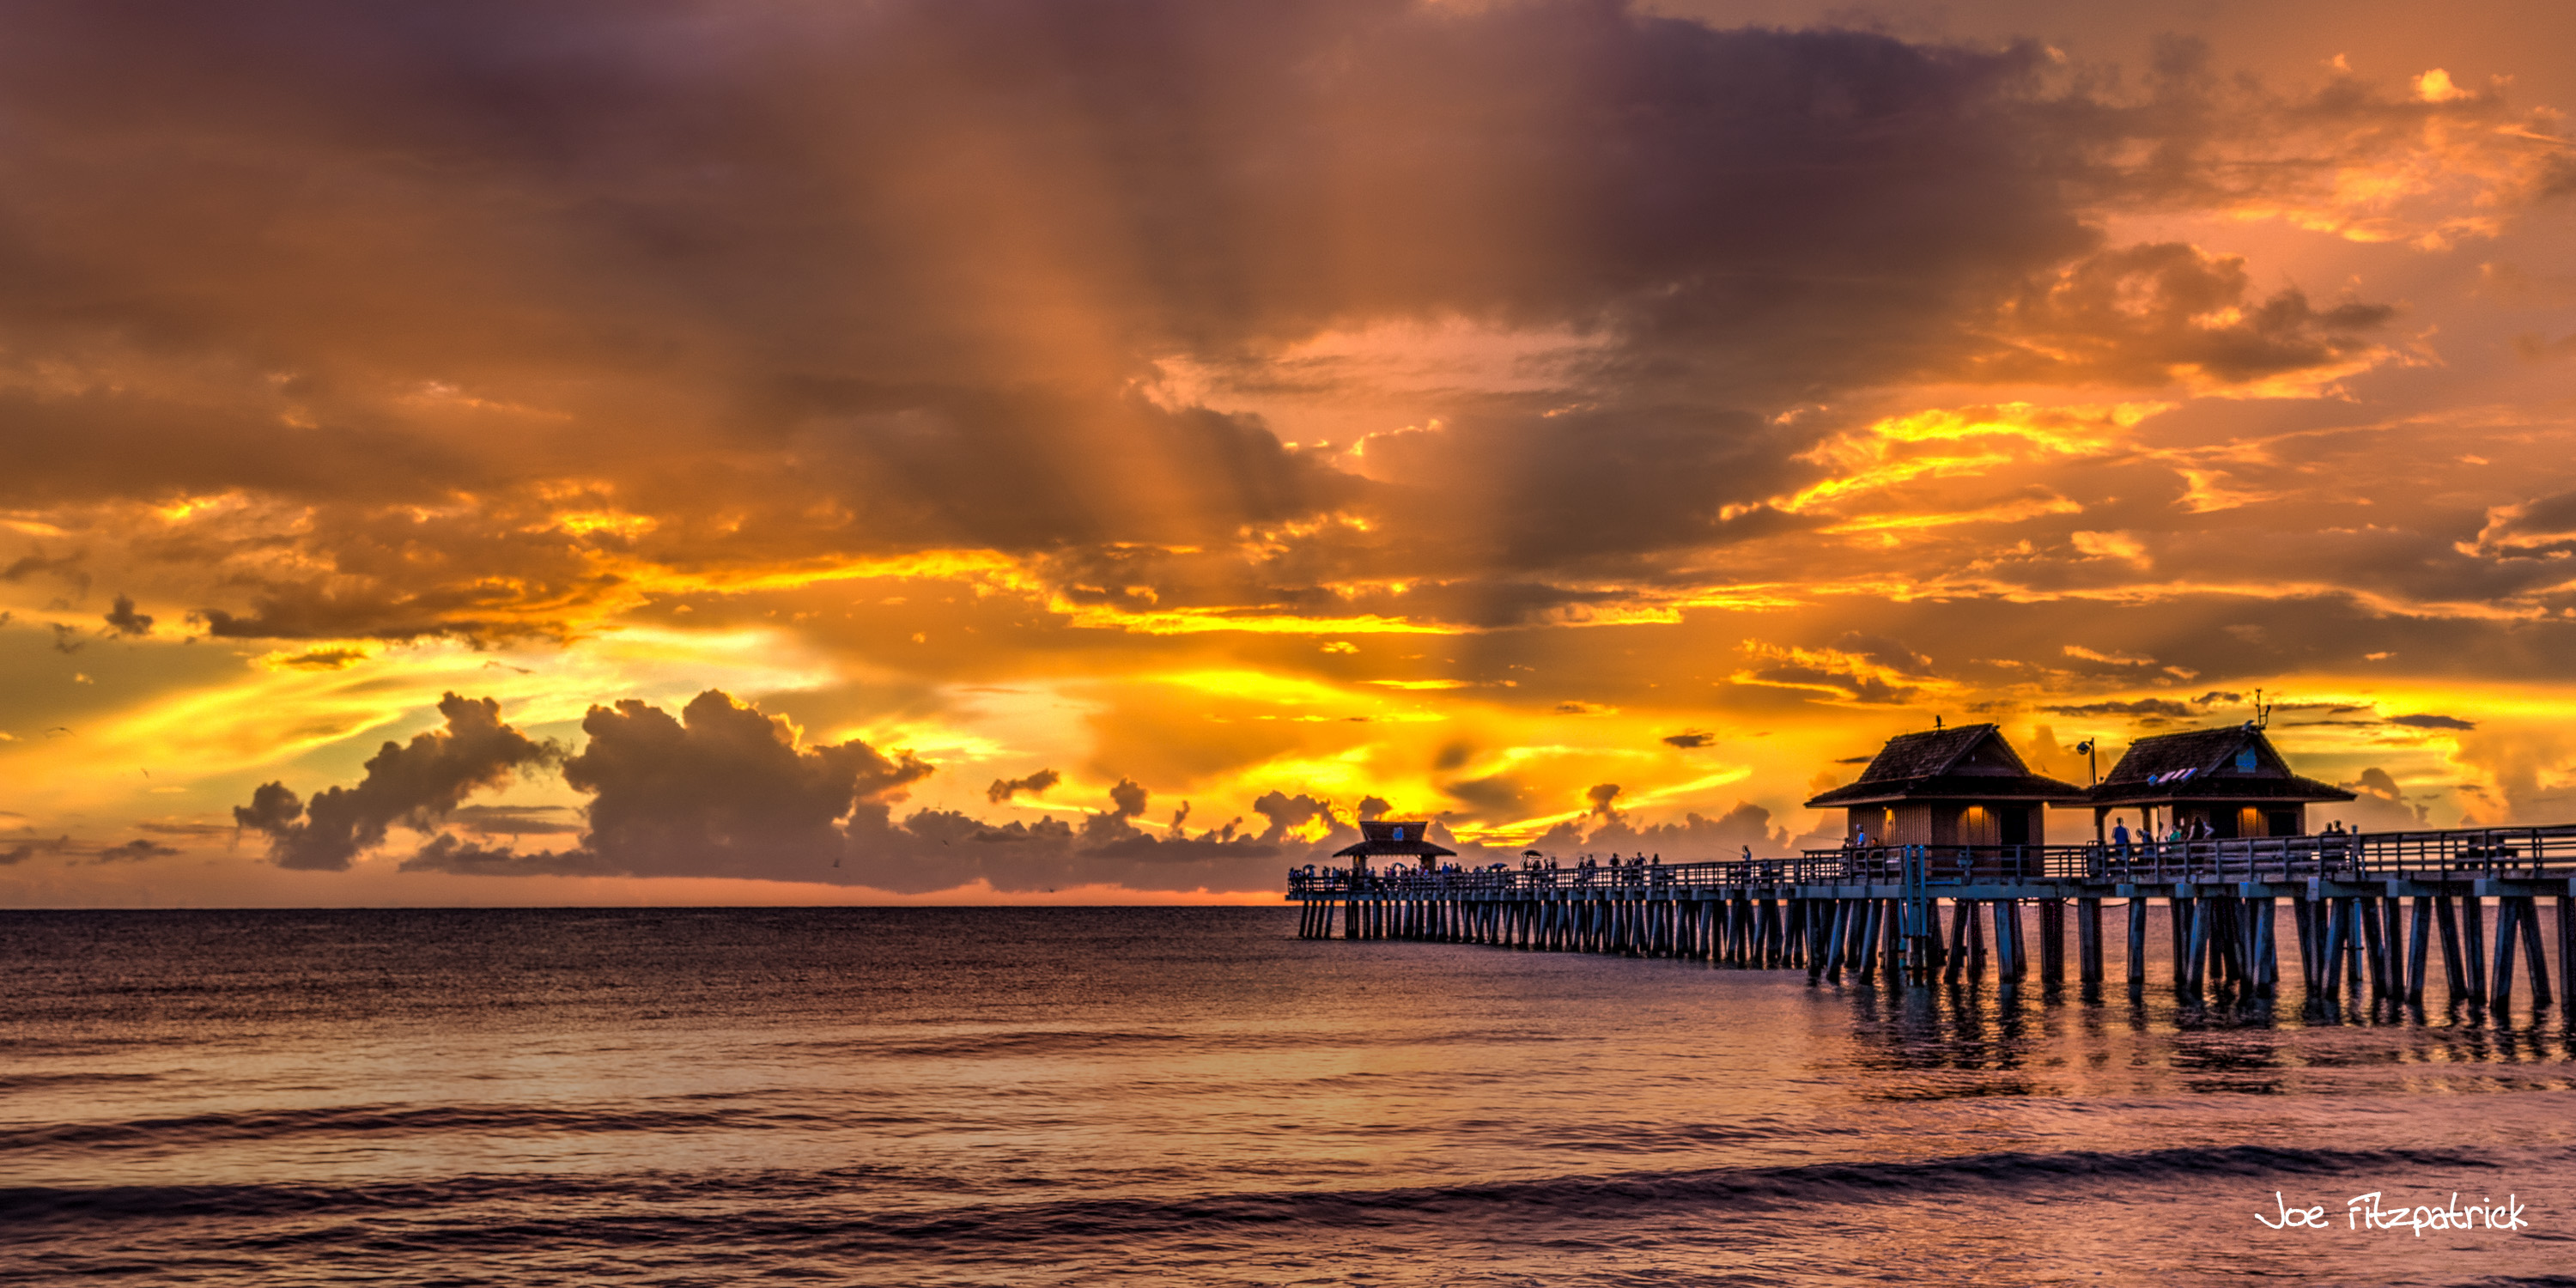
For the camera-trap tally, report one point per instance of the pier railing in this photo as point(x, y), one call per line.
point(2439, 855)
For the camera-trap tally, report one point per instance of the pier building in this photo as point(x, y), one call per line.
point(2225, 783)
point(1391, 839)
point(1948, 787)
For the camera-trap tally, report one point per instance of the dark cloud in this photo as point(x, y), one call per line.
point(1287, 813)
point(123, 620)
point(416, 785)
point(906, 275)
point(1689, 740)
point(2432, 722)
point(67, 638)
point(2163, 707)
point(134, 851)
point(2541, 528)
point(722, 790)
point(1895, 655)
point(66, 569)
point(1501, 797)
point(1035, 785)
point(2150, 314)
point(25, 850)
point(517, 820)
point(1830, 676)
point(1694, 838)
point(1128, 798)
point(2379, 804)
point(313, 610)
point(445, 853)
point(324, 659)
point(1601, 796)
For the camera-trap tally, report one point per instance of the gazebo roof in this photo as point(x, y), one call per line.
point(2232, 763)
point(1391, 838)
point(1969, 763)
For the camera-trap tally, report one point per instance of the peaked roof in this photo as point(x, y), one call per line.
point(1393, 838)
point(2202, 764)
point(1971, 762)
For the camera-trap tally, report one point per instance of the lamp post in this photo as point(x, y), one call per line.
point(2093, 770)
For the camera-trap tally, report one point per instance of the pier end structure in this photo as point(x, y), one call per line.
point(1872, 912)
point(2223, 784)
point(1394, 839)
point(1948, 787)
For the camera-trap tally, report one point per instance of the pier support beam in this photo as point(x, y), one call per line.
point(2052, 943)
point(2088, 943)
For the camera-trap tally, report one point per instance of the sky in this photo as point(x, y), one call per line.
point(666, 452)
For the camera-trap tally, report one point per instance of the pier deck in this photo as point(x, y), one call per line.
point(2367, 909)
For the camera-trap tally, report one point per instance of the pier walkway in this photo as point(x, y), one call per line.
point(2367, 910)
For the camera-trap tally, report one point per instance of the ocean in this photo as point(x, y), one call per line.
point(1196, 1096)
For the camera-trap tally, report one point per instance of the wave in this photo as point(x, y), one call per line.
point(565, 1202)
point(1027, 1042)
point(398, 1120)
point(47, 1081)
point(1036, 1042)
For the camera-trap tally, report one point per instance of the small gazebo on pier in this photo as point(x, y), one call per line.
point(2230, 779)
point(1964, 786)
point(1394, 839)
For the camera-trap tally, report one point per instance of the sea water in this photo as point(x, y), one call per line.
point(1195, 1095)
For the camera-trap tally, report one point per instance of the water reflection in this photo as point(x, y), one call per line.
point(1979, 1039)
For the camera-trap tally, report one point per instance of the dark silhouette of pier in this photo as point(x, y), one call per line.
point(2367, 910)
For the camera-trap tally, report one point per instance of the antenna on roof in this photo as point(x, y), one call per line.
point(2262, 712)
point(1936, 724)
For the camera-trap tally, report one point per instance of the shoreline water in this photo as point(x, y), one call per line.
point(1186, 1095)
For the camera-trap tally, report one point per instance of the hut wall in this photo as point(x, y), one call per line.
point(1911, 823)
point(1870, 819)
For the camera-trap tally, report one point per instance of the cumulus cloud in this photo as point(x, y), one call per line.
point(1128, 798)
point(415, 784)
point(2380, 804)
point(1693, 838)
point(725, 790)
point(1601, 797)
point(722, 789)
point(1287, 813)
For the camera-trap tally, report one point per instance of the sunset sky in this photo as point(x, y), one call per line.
point(1070, 451)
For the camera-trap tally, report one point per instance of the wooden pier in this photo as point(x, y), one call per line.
point(2366, 910)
